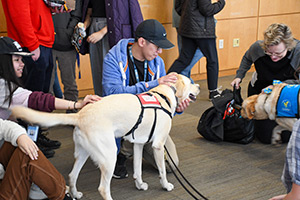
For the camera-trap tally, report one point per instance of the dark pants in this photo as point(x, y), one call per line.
point(209, 50)
point(21, 171)
point(38, 73)
point(264, 128)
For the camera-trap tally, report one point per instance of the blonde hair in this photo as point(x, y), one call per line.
point(277, 33)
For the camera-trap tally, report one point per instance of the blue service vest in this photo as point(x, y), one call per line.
point(287, 103)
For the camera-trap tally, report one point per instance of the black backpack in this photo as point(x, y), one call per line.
point(223, 121)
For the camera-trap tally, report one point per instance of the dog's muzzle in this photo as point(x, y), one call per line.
point(192, 97)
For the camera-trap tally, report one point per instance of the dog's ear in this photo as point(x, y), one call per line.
point(179, 86)
point(250, 109)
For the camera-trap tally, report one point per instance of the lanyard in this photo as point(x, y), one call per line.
point(135, 70)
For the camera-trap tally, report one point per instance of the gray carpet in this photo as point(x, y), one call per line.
point(218, 170)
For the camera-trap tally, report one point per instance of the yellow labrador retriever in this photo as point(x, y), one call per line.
point(121, 115)
point(263, 106)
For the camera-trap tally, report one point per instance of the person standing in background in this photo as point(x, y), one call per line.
point(197, 29)
point(95, 23)
point(198, 54)
point(64, 52)
point(118, 20)
point(29, 22)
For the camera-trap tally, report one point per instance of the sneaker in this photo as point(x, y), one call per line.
point(46, 142)
point(48, 152)
point(120, 169)
point(36, 193)
point(213, 94)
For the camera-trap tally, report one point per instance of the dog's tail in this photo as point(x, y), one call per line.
point(43, 118)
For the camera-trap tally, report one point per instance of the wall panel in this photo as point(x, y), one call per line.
point(238, 9)
point(157, 9)
point(292, 20)
point(2, 20)
point(275, 7)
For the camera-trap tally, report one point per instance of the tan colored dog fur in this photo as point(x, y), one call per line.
point(263, 106)
point(97, 125)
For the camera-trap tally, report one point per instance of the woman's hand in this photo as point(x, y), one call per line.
point(236, 82)
point(97, 36)
point(87, 99)
point(28, 146)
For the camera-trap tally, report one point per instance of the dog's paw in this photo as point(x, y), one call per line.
point(77, 195)
point(141, 186)
point(276, 139)
point(168, 186)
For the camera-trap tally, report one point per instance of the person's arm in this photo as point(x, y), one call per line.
point(97, 36)
point(67, 105)
point(207, 8)
point(87, 21)
point(294, 194)
point(178, 6)
point(75, 17)
point(17, 136)
point(244, 67)
point(47, 102)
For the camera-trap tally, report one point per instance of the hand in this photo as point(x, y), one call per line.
point(279, 197)
point(57, 10)
point(183, 105)
point(95, 37)
point(236, 82)
point(88, 99)
point(168, 79)
point(36, 54)
point(267, 90)
point(28, 146)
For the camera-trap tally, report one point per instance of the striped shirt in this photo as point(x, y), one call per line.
point(291, 171)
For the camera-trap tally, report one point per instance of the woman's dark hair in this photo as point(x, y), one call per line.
point(7, 72)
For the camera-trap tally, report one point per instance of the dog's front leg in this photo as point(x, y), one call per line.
point(137, 166)
point(160, 161)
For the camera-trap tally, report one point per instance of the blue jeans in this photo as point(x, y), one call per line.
point(56, 87)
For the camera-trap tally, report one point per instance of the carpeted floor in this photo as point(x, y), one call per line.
point(220, 171)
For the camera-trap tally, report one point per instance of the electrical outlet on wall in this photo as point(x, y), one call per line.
point(221, 44)
point(236, 42)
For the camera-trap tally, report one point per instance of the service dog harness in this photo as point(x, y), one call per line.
point(149, 101)
point(287, 104)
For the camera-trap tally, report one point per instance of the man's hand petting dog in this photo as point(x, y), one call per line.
point(168, 79)
point(183, 105)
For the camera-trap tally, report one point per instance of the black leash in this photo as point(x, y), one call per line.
point(183, 178)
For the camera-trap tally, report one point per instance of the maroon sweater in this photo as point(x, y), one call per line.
point(41, 101)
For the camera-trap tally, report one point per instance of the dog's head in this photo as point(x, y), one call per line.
point(253, 107)
point(185, 89)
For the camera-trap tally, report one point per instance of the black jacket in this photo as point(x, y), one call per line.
point(64, 24)
point(197, 17)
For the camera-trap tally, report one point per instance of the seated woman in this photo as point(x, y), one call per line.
point(11, 92)
point(26, 165)
point(23, 165)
